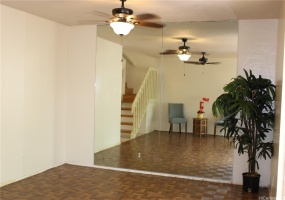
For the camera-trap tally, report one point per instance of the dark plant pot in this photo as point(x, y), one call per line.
point(251, 182)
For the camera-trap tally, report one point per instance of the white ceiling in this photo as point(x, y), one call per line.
point(219, 39)
point(213, 37)
point(69, 12)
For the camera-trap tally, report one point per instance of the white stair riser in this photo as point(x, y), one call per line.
point(127, 127)
point(126, 112)
point(126, 119)
point(125, 135)
point(126, 105)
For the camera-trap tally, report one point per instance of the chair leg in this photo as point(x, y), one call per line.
point(185, 128)
point(179, 128)
point(170, 128)
point(215, 131)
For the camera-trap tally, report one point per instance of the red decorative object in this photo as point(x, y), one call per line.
point(201, 107)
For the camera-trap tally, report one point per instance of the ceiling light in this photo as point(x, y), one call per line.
point(122, 28)
point(184, 56)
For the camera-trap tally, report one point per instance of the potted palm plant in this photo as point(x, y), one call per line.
point(248, 103)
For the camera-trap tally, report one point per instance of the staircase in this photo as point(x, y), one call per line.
point(126, 114)
point(134, 106)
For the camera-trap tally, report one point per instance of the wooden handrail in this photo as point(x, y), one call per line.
point(147, 91)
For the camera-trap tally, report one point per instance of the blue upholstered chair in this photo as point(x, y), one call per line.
point(221, 123)
point(176, 116)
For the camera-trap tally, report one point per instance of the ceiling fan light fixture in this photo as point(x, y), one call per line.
point(122, 28)
point(184, 56)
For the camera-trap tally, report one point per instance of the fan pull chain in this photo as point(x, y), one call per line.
point(122, 43)
point(184, 68)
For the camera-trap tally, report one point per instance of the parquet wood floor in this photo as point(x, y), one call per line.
point(189, 155)
point(70, 182)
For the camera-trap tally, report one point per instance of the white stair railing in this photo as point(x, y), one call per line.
point(147, 91)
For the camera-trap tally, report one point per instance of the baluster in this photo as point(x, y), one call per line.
point(147, 91)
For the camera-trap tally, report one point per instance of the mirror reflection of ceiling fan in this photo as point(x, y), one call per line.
point(202, 61)
point(183, 52)
point(123, 20)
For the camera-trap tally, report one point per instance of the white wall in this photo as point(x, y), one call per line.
point(256, 51)
point(108, 95)
point(33, 54)
point(199, 81)
point(136, 73)
point(150, 118)
point(277, 168)
point(124, 73)
point(80, 95)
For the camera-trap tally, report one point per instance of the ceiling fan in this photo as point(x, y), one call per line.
point(183, 52)
point(123, 20)
point(202, 61)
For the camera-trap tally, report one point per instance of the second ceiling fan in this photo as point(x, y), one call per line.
point(202, 61)
point(183, 52)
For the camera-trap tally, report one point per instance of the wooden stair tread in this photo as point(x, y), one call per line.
point(129, 96)
point(125, 108)
point(125, 131)
point(126, 115)
point(126, 123)
point(129, 91)
point(127, 101)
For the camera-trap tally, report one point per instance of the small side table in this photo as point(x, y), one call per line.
point(200, 126)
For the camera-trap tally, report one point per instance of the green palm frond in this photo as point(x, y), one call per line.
point(249, 103)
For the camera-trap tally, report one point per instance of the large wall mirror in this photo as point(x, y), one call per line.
point(122, 65)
